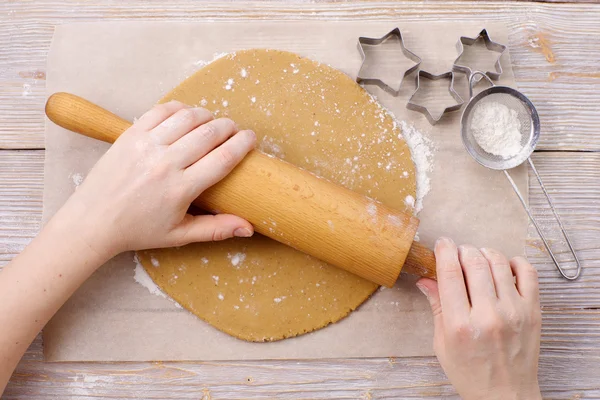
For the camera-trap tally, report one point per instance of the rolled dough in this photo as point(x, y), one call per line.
point(317, 118)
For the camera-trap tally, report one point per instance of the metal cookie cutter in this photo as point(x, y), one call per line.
point(489, 44)
point(365, 41)
point(424, 110)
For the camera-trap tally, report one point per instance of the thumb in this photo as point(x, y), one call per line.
point(206, 228)
point(429, 288)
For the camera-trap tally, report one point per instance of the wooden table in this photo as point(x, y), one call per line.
point(555, 49)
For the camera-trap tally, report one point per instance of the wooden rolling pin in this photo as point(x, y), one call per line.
point(289, 205)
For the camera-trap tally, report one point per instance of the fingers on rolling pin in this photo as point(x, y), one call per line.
point(152, 118)
point(202, 140)
point(451, 282)
point(218, 163)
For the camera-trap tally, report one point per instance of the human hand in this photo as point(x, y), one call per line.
point(138, 194)
point(487, 329)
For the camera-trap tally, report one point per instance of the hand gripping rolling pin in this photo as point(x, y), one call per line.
point(370, 239)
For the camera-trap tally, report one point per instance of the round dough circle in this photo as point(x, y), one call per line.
point(317, 118)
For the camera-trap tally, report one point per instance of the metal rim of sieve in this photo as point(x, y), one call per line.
point(488, 160)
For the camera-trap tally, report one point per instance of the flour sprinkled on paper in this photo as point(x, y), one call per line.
point(77, 179)
point(141, 277)
point(421, 149)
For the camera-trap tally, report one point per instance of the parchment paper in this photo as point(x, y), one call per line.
point(127, 67)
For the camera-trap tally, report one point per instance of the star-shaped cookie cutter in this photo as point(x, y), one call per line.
point(489, 44)
point(424, 110)
point(365, 41)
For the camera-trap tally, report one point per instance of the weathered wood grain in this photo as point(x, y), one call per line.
point(570, 337)
point(573, 181)
point(21, 190)
point(568, 368)
point(554, 49)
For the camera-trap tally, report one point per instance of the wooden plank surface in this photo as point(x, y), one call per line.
point(570, 338)
point(568, 370)
point(573, 377)
point(554, 49)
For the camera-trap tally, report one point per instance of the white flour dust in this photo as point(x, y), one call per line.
point(421, 149)
point(141, 276)
point(26, 90)
point(236, 259)
point(497, 129)
point(77, 179)
point(155, 262)
point(216, 56)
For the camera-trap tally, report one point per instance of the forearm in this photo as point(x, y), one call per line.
point(135, 197)
point(37, 283)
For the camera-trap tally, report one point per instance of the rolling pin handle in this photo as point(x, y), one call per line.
point(81, 116)
point(420, 261)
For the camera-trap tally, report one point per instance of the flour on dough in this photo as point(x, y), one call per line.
point(319, 119)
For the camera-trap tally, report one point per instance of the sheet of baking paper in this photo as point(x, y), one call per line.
point(127, 67)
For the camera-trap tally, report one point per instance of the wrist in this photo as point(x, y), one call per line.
point(531, 392)
point(75, 227)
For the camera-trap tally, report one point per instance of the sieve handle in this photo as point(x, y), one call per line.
point(472, 81)
point(539, 230)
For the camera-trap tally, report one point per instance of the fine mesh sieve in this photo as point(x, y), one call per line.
point(530, 132)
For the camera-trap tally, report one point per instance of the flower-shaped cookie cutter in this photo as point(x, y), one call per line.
point(411, 105)
point(489, 44)
point(365, 41)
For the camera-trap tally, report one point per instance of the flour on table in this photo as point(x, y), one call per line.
point(216, 56)
point(141, 276)
point(77, 179)
point(201, 63)
point(421, 149)
point(26, 90)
